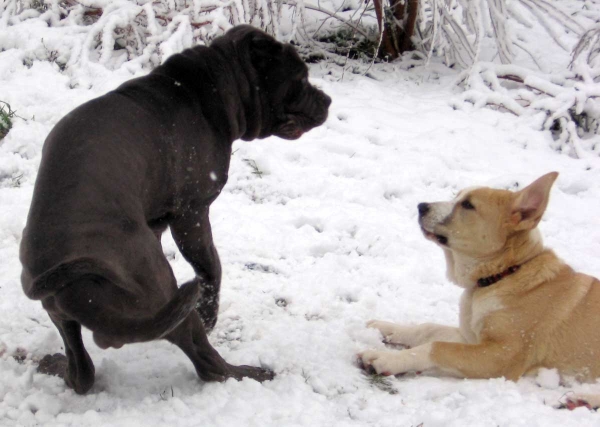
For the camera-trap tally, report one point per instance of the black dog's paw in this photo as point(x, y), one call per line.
point(53, 364)
point(257, 374)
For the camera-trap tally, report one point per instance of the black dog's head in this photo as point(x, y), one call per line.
point(290, 104)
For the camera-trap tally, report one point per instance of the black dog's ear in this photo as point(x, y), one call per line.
point(264, 50)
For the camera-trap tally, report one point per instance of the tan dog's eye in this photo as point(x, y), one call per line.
point(466, 204)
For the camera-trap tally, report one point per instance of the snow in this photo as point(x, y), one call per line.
point(548, 378)
point(324, 239)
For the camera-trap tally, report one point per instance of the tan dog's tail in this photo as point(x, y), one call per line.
point(119, 331)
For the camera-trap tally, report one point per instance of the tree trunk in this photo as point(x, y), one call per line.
point(399, 19)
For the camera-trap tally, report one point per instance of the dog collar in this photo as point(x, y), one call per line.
point(490, 280)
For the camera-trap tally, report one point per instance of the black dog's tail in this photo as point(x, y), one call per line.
point(125, 330)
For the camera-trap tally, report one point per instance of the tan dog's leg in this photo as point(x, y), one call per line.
point(486, 360)
point(412, 336)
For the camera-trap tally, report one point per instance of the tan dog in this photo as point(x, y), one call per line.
point(522, 308)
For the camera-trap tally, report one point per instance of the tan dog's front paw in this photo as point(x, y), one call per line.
point(381, 362)
point(390, 362)
point(392, 333)
point(590, 401)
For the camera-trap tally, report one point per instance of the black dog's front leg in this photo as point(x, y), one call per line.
point(210, 366)
point(193, 236)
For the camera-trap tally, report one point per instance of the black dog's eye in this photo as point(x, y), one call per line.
point(466, 204)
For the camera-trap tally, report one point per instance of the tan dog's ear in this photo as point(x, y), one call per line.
point(530, 203)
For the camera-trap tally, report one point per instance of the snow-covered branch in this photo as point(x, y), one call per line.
point(565, 101)
point(141, 31)
point(567, 105)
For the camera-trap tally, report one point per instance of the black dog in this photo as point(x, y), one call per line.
point(120, 169)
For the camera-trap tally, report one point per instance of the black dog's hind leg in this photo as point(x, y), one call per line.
point(193, 236)
point(76, 368)
point(191, 337)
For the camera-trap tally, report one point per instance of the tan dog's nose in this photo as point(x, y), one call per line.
point(423, 209)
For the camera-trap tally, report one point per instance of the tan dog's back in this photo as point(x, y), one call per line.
point(552, 324)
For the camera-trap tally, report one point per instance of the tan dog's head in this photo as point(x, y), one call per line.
point(480, 222)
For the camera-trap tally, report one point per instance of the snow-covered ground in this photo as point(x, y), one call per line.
point(323, 239)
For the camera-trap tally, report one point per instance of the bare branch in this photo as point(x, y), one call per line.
point(331, 14)
point(524, 49)
point(561, 17)
point(498, 18)
point(544, 22)
point(460, 34)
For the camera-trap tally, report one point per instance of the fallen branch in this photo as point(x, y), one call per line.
point(568, 106)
